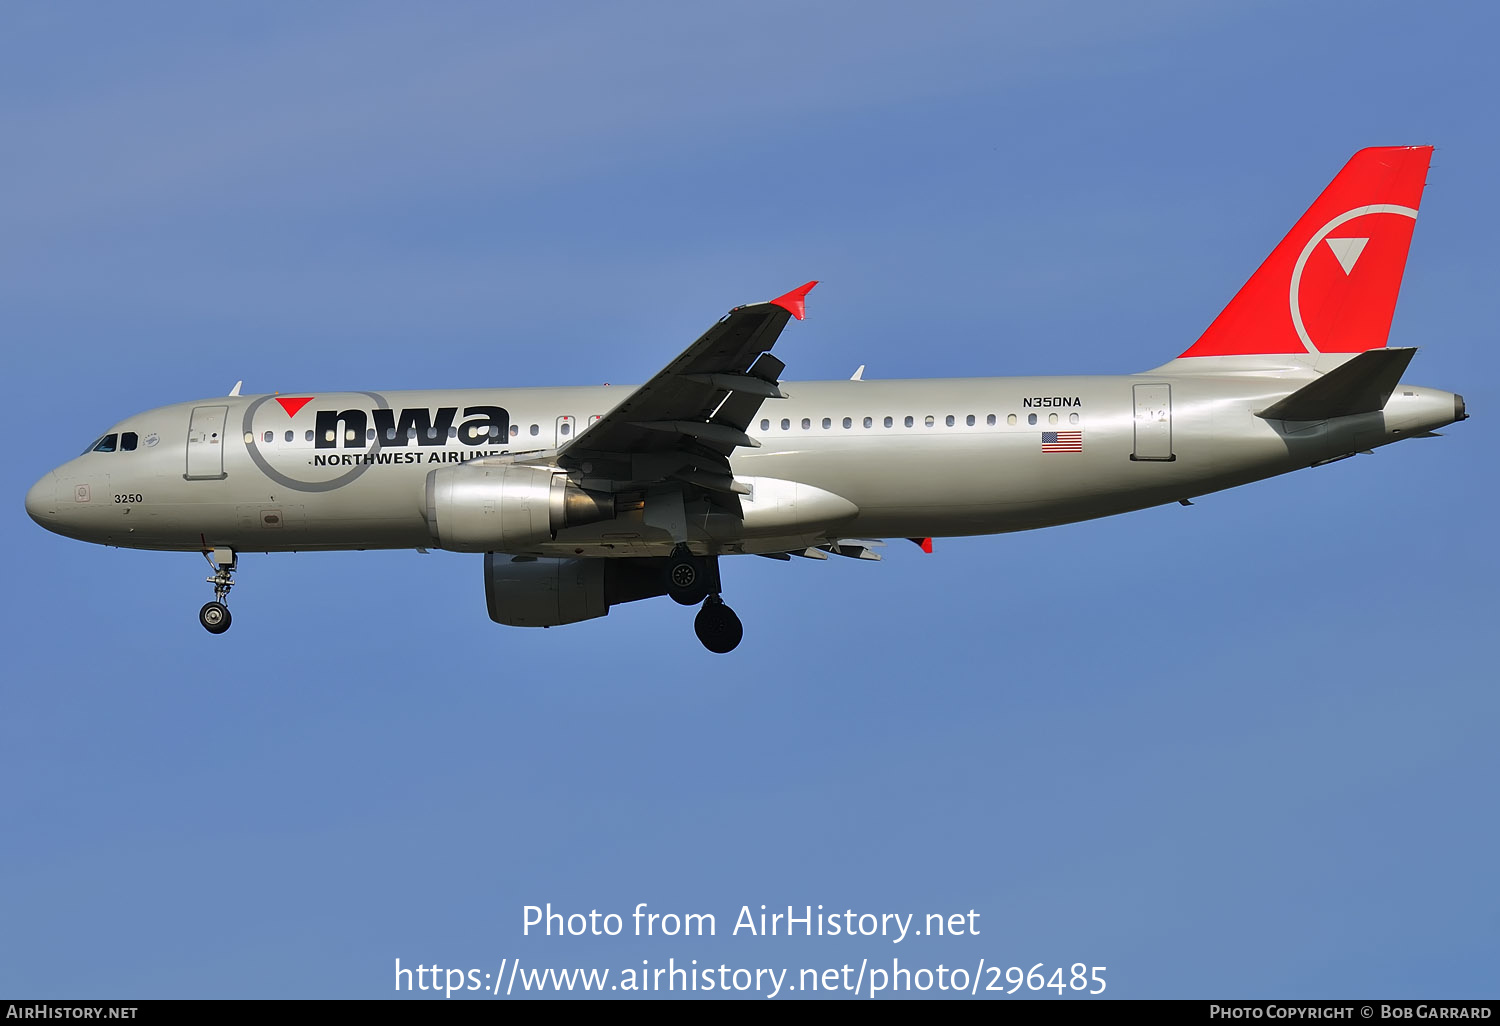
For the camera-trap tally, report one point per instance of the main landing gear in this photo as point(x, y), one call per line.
point(214, 616)
point(690, 578)
point(693, 579)
point(717, 626)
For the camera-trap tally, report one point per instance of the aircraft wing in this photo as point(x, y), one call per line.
point(683, 423)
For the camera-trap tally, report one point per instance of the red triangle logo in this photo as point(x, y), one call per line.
point(291, 406)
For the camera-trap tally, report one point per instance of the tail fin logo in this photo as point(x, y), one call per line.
point(1330, 285)
point(1346, 253)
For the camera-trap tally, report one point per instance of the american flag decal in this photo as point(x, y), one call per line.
point(1062, 441)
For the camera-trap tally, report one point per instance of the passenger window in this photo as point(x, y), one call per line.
point(827, 423)
point(990, 420)
point(127, 442)
point(806, 423)
point(535, 428)
point(270, 436)
point(1051, 418)
point(909, 422)
point(969, 420)
point(308, 436)
point(290, 436)
point(369, 434)
point(106, 444)
point(566, 429)
point(928, 420)
point(495, 431)
point(848, 423)
point(1072, 418)
point(765, 424)
point(249, 437)
point(1009, 419)
point(515, 429)
point(786, 425)
point(869, 421)
point(328, 435)
point(889, 422)
point(1031, 418)
point(949, 421)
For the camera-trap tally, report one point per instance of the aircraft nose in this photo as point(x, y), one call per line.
point(41, 500)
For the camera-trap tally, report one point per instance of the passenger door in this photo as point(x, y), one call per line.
point(205, 443)
point(1153, 423)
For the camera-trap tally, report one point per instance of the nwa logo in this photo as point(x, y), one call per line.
point(351, 429)
point(394, 428)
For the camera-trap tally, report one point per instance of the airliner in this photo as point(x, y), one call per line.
point(580, 499)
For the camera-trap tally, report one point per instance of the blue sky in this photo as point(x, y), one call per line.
point(1239, 749)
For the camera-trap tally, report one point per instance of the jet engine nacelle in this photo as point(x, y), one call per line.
point(507, 508)
point(529, 591)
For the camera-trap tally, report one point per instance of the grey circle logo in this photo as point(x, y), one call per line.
point(253, 448)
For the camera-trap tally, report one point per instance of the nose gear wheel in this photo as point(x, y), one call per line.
point(214, 616)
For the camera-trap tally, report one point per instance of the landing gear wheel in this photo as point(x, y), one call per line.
point(687, 580)
point(214, 616)
point(718, 627)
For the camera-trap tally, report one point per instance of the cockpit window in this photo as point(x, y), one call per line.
point(128, 441)
point(106, 444)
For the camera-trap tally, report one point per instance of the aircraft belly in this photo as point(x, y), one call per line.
point(1023, 476)
point(996, 481)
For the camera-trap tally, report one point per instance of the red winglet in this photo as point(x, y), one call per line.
point(925, 543)
point(795, 301)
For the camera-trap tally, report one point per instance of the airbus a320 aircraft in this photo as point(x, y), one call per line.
point(583, 498)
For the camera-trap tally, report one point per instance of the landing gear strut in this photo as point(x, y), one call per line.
point(717, 626)
point(214, 616)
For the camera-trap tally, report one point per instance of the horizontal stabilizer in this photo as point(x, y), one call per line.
point(1360, 386)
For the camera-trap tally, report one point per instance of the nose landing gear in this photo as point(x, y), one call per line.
point(214, 616)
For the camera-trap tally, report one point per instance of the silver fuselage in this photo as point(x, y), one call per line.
point(836, 459)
